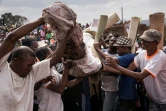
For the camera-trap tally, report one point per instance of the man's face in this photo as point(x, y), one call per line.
point(120, 50)
point(34, 46)
point(112, 41)
point(148, 45)
point(24, 66)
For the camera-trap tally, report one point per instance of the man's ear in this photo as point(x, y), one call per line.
point(15, 61)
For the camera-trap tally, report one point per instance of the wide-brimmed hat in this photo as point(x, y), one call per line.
point(123, 41)
point(151, 35)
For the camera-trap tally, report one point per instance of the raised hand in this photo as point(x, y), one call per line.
point(49, 78)
point(96, 45)
point(113, 63)
point(108, 60)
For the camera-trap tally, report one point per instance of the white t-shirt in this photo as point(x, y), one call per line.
point(156, 66)
point(49, 100)
point(109, 83)
point(16, 93)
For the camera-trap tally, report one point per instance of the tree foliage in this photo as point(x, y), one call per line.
point(10, 20)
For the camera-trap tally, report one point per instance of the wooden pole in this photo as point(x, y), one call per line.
point(122, 13)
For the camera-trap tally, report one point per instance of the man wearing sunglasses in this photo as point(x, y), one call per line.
point(152, 63)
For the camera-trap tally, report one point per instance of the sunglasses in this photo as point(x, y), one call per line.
point(147, 41)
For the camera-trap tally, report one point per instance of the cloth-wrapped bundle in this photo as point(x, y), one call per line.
point(88, 65)
point(62, 21)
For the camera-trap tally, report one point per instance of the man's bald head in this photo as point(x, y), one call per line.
point(22, 52)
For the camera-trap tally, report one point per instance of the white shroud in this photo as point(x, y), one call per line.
point(88, 65)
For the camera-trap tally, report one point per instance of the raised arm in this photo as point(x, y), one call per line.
point(74, 82)
point(15, 35)
point(110, 69)
point(102, 54)
point(103, 43)
point(57, 55)
point(43, 81)
point(59, 88)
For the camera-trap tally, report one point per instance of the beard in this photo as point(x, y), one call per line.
point(112, 49)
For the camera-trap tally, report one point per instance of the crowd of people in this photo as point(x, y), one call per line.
point(34, 73)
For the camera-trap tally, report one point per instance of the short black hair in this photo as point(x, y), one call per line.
point(52, 46)
point(27, 42)
point(42, 53)
point(116, 35)
point(22, 52)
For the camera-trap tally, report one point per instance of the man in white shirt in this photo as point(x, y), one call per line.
point(17, 79)
point(109, 81)
point(152, 63)
point(49, 93)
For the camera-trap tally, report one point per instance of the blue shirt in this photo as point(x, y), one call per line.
point(127, 85)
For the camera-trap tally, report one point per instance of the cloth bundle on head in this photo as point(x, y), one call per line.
point(62, 20)
point(89, 64)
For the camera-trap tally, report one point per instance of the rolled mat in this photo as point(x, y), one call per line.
point(133, 29)
point(157, 22)
point(94, 78)
point(112, 19)
point(101, 27)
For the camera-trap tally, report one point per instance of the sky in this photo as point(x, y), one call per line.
point(86, 10)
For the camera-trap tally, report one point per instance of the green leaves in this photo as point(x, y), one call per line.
point(13, 21)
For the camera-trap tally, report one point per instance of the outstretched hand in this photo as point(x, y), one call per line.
point(111, 62)
point(108, 60)
point(114, 63)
